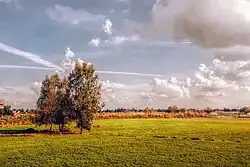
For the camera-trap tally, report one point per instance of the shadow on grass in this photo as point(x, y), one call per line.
point(160, 137)
point(31, 131)
point(23, 131)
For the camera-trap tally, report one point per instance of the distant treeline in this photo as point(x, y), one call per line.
point(171, 109)
point(8, 111)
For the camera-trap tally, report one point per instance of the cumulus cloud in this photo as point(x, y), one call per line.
point(169, 88)
point(220, 26)
point(208, 23)
point(72, 16)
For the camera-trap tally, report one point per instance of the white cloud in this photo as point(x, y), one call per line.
point(95, 42)
point(72, 16)
point(107, 27)
point(208, 23)
point(117, 40)
point(112, 40)
point(169, 88)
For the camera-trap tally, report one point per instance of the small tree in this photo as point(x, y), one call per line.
point(245, 109)
point(149, 110)
point(85, 94)
point(208, 110)
point(173, 108)
point(6, 111)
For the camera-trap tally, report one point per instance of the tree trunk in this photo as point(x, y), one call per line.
point(62, 129)
point(81, 130)
point(50, 127)
point(59, 127)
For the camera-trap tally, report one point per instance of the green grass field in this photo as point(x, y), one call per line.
point(136, 142)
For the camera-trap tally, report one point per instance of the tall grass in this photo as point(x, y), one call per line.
point(129, 115)
point(13, 121)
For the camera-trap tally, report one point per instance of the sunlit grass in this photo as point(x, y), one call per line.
point(136, 142)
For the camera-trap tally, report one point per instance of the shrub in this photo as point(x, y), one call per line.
point(245, 110)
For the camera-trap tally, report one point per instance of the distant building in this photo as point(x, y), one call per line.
point(2, 103)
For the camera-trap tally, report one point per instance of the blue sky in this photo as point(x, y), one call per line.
point(46, 28)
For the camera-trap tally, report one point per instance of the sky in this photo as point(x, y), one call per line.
point(156, 53)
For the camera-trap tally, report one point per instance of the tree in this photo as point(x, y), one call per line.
point(149, 110)
point(173, 108)
point(42, 114)
point(85, 94)
point(63, 112)
point(47, 100)
point(6, 111)
point(245, 109)
point(52, 104)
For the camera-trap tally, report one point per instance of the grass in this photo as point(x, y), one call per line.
point(136, 142)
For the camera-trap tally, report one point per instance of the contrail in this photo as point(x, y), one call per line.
point(28, 67)
point(27, 55)
point(101, 72)
point(129, 73)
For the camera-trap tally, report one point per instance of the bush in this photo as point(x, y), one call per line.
point(149, 110)
point(26, 119)
point(245, 110)
point(173, 108)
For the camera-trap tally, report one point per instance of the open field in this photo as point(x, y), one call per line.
point(136, 142)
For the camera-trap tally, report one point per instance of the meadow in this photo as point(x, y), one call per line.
point(135, 142)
